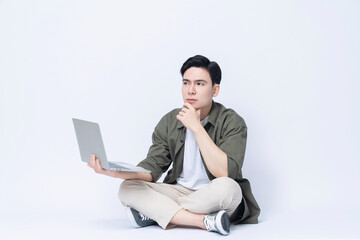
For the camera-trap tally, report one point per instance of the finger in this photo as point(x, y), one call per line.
point(182, 112)
point(92, 162)
point(189, 106)
point(93, 158)
point(97, 163)
point(184, 109)
point(178, 117)
point(98, 168)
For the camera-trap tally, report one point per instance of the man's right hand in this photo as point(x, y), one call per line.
point(96, 166)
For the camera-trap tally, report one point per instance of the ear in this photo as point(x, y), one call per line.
point(216, 89)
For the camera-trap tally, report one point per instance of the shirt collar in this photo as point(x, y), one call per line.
point(212, 116)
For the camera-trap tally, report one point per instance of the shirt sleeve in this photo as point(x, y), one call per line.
point(158, 158)
point(233, 143)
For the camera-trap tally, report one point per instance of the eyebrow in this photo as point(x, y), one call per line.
point(198, 80)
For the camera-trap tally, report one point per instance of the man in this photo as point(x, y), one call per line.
point(205, 143)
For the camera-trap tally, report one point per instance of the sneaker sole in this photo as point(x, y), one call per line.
point(219, 218)
point(131, 218)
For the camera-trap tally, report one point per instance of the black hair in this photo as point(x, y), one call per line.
point(203, 62)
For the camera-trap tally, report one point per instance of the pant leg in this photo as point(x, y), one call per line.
point(157, 201)
point(220, 194)
point(161, 202)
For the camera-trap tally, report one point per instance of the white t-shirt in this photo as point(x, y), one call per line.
point(193, 175)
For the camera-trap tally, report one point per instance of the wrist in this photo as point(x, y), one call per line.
point(198, 129)
point(112, 173)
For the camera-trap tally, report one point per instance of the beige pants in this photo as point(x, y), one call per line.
point(160, 201)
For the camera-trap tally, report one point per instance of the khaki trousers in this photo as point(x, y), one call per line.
point(161, 201)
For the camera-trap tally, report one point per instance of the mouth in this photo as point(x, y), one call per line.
point(190, 100)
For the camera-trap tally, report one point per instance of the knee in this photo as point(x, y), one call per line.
point(126, 187)
point(228, 188)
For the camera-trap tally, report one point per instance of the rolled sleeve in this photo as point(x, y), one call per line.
point(158, 158)
point(233, 143)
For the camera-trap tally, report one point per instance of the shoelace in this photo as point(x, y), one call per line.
point(209, 222)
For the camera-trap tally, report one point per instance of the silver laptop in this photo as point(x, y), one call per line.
point(90, 142)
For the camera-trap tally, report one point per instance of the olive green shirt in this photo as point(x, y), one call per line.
point(228, 131)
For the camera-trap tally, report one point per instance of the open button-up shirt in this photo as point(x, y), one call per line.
point(228, 131)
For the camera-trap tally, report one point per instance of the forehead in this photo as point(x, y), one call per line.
point(196, 73)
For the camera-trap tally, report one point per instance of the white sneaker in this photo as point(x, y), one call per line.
point(137, 219)
point(218, 222)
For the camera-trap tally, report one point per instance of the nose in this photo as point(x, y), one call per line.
point(191, 89)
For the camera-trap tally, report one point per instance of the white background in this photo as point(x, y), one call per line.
point(290, 69)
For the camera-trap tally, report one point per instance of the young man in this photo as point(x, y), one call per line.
point(205, 143)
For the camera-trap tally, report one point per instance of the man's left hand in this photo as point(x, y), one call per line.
point(190, 117)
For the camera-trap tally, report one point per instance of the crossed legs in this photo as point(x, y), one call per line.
point(173, 205)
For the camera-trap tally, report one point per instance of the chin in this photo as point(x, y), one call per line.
point(194, 105)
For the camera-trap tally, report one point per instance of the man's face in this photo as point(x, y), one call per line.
point(197, 88)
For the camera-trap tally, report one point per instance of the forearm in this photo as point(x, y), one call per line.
point(132, 176)
point(214, 158)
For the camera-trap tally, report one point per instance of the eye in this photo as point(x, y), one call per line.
point(200, 84)
point(185, 83)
